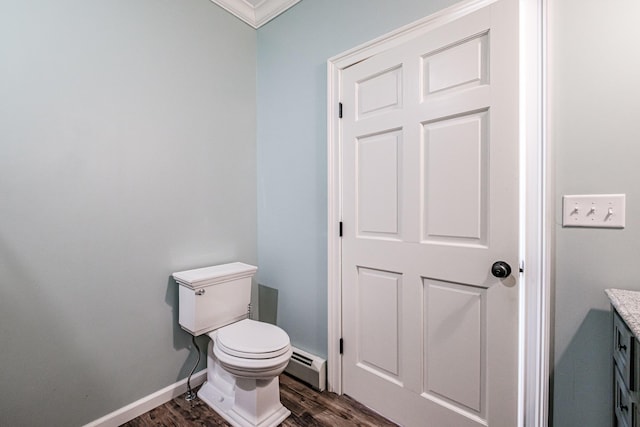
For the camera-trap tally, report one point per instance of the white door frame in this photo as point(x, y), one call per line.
point(536, 204)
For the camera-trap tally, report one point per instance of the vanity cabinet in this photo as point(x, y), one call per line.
point(626, 374)
point(626, 356)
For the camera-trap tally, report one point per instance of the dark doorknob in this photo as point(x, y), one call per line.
point(500, 269)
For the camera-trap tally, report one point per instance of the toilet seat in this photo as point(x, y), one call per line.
point(252, 349)
point(252, 340)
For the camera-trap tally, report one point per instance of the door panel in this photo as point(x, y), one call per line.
point(377, 184)
point(456, 67)
point(379, 321)
point(379, 93)
point(455, 363)
point(429, 150)
point(455, 162)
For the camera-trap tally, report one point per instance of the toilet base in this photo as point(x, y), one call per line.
point(242, 402)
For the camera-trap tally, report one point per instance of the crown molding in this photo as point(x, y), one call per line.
point(255, 12)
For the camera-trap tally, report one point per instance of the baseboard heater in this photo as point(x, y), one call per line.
point(308, 368)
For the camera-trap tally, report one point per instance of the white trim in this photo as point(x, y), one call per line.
point(538, 200)
point(334, 216)
point(149, 402)
point(402, 34)
point(258, 14)
point(538, 208)
point(547, 273)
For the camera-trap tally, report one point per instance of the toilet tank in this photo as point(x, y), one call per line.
point(212, 297)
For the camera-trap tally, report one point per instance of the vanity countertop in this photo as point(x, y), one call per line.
point(627, 304)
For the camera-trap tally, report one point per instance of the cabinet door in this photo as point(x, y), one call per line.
point(624, 407)
point(623, 350)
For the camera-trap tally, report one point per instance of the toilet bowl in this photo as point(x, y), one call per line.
point(242, 373)
point(252, 349)
point(244, 356)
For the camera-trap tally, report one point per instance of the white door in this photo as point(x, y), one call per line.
point(429, 140)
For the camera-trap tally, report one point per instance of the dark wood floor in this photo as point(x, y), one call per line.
point(308, 408)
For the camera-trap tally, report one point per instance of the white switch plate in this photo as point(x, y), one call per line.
point(593, 210)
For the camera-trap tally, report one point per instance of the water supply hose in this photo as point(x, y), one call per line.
point(191, 394)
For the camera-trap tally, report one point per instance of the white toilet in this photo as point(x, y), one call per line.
point(245, 356)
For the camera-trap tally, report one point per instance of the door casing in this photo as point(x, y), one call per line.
point(536, 200)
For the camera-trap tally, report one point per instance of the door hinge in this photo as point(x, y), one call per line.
point(340, 110)
point(340, 229)
point(521, 266)
point(341, 345)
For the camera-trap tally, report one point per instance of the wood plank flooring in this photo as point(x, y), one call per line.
point(308, 408)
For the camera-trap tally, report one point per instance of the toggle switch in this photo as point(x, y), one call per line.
point(594, 210)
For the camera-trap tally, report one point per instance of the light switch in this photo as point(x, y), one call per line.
point(593, 210)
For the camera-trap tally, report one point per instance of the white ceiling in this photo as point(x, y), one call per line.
point(256, 12)
point(255, 3)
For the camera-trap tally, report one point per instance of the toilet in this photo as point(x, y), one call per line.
point(244, 356)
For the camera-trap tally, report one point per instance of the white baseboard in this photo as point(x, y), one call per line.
point(149, 402)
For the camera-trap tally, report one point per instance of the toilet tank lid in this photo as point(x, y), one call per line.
point(206, 276)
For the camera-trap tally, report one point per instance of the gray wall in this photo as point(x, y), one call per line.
point(127, 152)
point(595, 110)
point(292, 146)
